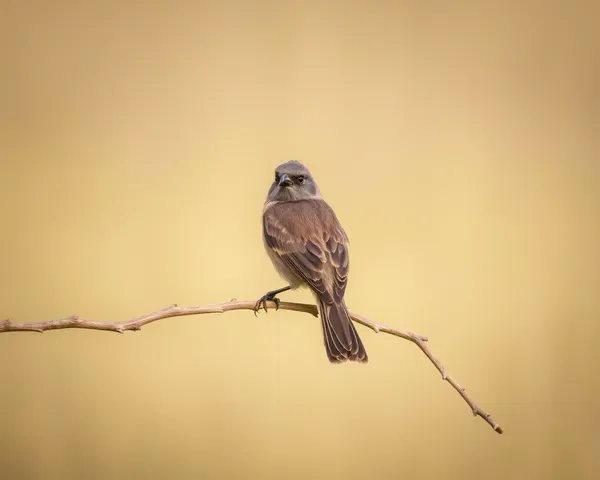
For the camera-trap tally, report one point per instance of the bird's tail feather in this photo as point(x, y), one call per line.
point(341, 338)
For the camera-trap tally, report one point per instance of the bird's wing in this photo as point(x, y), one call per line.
point(309, 239)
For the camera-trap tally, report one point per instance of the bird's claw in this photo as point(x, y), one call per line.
point(262, 302)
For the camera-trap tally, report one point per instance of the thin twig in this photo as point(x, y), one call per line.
point(176, 311)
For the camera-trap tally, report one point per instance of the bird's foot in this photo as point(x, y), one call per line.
point(262, 302)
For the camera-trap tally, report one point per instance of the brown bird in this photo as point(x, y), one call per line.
point(309, 247)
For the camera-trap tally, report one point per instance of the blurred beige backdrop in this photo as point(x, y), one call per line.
point(458, 144)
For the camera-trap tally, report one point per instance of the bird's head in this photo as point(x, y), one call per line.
point(293, 182)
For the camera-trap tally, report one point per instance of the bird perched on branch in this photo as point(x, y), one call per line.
point(309, 247)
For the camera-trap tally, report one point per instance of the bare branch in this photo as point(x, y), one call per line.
point(178, 311)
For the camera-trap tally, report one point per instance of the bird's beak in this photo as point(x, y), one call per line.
point(285, 181)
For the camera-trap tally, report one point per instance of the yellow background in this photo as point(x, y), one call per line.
point(456, 142)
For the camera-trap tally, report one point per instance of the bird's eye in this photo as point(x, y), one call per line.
point(300, 179)
point(276, 177)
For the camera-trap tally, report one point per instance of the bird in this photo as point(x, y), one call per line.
point(309, 248)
